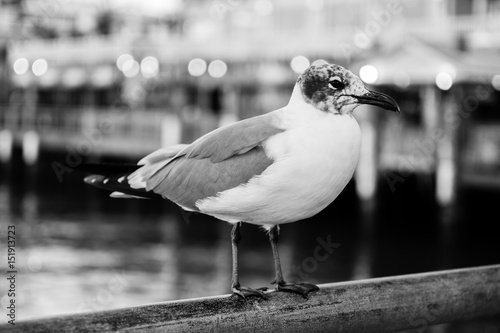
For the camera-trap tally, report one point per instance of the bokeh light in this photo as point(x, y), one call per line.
point(150, 67)
point(131, 68)
point(319, 62)
point(197, 67)
point(40, 67)
point(299, 64)
point(444, 81)
point(21, 66)
point(217, 69)
point(368, 74)
point(495, 81)
point(122, 60)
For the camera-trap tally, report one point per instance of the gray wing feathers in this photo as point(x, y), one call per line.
point(184, 180)
point(220, 160)
point(162, 154)
point(151, 164)
point(234, 139)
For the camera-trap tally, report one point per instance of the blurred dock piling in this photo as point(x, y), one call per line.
point(408, 302)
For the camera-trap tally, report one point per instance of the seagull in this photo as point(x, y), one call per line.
point(280, 167)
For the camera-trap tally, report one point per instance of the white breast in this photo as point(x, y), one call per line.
point(315, 158)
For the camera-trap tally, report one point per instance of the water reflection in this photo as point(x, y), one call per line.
point(80, 250)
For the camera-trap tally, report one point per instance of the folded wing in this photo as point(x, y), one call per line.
point(221, 160)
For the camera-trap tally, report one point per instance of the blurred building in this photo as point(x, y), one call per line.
point(163, 73)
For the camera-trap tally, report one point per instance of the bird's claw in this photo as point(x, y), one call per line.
point(298, 288)
point(245, 292)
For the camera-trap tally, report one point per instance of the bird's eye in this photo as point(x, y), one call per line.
point(335, 83)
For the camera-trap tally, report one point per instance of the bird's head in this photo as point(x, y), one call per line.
point(332, 88)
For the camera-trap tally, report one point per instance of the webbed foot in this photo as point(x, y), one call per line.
point(298, 288)
point(245, 292)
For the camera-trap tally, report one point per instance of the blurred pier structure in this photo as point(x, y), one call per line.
point(104, 80)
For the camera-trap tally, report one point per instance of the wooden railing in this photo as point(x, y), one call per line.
point(409, 302)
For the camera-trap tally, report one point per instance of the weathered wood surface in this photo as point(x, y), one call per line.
point(409, 302)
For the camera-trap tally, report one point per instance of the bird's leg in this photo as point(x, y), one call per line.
point(299, 288)
point(273, 237)
point(235, 283)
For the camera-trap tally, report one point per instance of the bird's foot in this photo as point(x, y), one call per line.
point(298, 288)
point(245, 292)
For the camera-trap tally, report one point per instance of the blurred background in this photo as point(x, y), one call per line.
point(111, 81)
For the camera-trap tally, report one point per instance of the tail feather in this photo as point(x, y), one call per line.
point(121, 195)
point(129, 180)
point(118, 183)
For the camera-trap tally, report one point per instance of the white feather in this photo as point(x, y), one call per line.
point(315, 157)
point(121, 195)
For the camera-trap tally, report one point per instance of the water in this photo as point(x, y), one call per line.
point(79, 250)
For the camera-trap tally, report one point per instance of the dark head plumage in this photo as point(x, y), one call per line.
point(332, 88)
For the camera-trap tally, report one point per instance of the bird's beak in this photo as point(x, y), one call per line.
point(378, 99)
